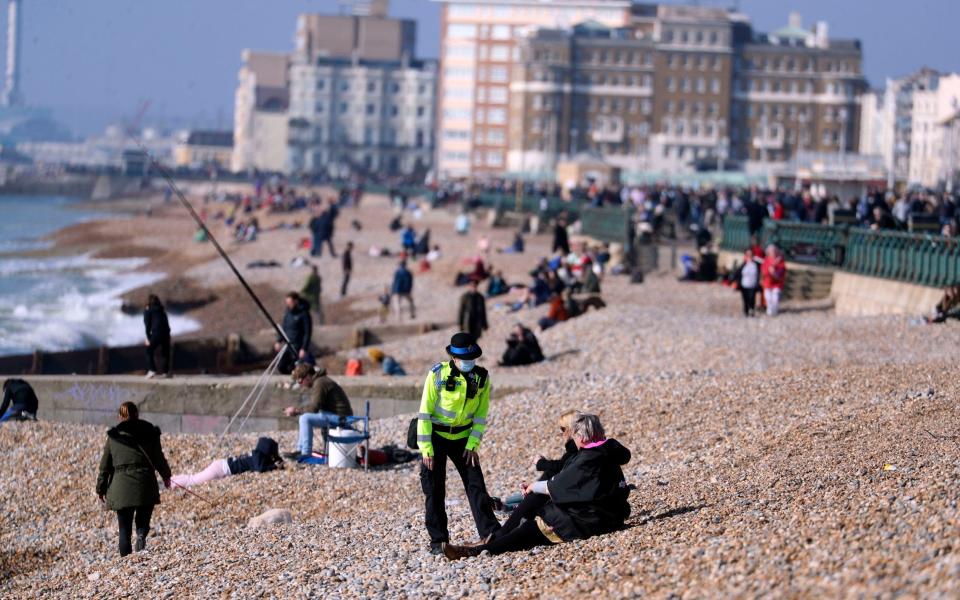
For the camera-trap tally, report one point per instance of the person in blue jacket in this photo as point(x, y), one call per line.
point(402, 289)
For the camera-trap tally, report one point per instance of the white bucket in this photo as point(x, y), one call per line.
point(340, 455)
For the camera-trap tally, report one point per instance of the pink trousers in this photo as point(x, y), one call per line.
point(218, 469)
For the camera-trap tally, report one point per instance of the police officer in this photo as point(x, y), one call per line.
point(451, 422)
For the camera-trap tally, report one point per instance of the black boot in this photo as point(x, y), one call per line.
point(436, 547)
point(141, 541)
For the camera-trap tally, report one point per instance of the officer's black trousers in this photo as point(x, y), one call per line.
point(434, 481)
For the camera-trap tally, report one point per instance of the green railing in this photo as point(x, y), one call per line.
point(914, 258)
point(530, 204)
point(929, 260)
point(807, 242)
point(606, 224)
point(736, 233)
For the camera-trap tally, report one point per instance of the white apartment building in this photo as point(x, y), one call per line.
point(907, 124)
point(260, 112)
point(359, 100)
point(478, 48)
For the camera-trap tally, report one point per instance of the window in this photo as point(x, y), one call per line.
point(320, 107)
point(494, 158)
point(457, 113)
point(684, 84)
point(646, 107)
point(500, 32)
point(394, 110)
point(460, 51)
point(344, 86)
point(421, 111)
point(456, 134)
point(394, 88)
point(498, 75)
point(461, 32)
point(343, 108)
point(671, 86)
point(646, 81)
point(371, 86)
point(321, 84)
point(701, 85)
point(495, 136)
point(713, 38)
point(715, 85)
point(496, 116)
point(633, 105)
point(500, 53)
point(643, 128)
point(371, 109)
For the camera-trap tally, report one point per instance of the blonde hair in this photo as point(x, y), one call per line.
point(128, 412)
point(588, 429)
point(566, 419)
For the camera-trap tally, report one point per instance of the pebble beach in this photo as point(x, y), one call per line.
point(808, 455)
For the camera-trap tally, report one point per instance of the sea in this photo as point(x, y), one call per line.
point(64, 302)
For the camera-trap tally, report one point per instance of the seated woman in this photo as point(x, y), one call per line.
point(587, 497)
point(522, 348)
point(497, 286)
point(265, 457)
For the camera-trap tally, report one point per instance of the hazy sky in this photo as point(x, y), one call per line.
point(94, 61)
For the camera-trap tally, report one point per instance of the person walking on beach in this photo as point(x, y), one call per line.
point(749, 281)
point(473, 311)
point(561, 241)
point(346, 264)
point(774, 274)
point(126, 483)
point(157, 328)
point(402, 289)
point(298, 327)
point(312, 288)
point(450, 424)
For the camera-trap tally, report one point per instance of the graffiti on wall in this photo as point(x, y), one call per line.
point(97, 396)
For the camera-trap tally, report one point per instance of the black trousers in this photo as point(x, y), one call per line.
point(434, 482)
point(523, 537)
point(526, 510)
point(158, 354)
point(749, 300)
point(343, 286)
point(125, 519)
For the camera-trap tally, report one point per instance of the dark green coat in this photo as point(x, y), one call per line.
point(126, 474)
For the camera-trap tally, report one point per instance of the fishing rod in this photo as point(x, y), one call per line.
point(186, 203)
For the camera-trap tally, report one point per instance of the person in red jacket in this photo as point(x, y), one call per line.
point(773, 274)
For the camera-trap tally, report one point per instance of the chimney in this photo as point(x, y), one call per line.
point(11, 88)
point(821, 35)
point(379, 8)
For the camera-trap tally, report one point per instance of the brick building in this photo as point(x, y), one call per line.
point(680, 87)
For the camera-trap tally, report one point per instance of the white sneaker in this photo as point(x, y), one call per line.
point(150, 375)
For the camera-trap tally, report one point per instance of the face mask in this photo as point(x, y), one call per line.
point(466, 366)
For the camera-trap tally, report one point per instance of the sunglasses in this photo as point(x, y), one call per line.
point(563, 429)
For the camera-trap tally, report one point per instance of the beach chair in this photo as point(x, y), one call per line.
point(361, 437)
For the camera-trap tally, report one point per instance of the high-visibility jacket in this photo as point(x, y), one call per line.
point(444, 410)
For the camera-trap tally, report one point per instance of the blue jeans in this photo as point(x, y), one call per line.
point(6, 417)
point(308, 421)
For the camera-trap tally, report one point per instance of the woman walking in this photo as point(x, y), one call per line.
point(127, 483)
